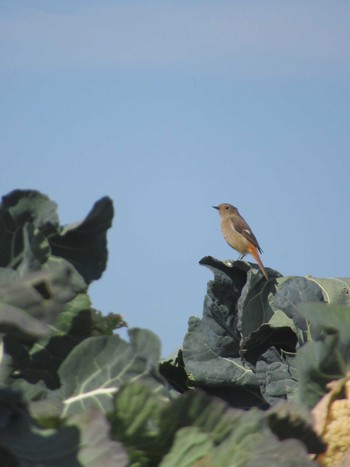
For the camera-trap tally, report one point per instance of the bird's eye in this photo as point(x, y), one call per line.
point(226, 207)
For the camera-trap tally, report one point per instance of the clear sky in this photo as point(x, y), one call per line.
point(171, 107)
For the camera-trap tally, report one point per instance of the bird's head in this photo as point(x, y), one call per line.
point(226, 209)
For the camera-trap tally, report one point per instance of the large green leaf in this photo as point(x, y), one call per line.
point(253, 307)
point(25, 218)
point(84, 244)
point(269, 334)
point(42, 404)
point(29, 304)
point(73, 325)
point(29, 307)
point(277, 376)
point(151, 424)
point(211, 345)
point(40, 294)
point(33, 448)
point(195, 408)
point(30, 229)
point(135, 420)
point(35, 251)
point(136, 412)
point(215, 434)
point(147, 423)
point(291, 293)
point(319, 363)
point(95, 446)
point(85, 440)
point(188, 428)
point(190, 445)
point(256, 447)
point(76, 322)
point(335, 290)
point(290, 420)
point(332, 318)
point(16, 321)
point(95, 370)
point(251, 443)
point(259, 306)
point(207, 362)
point(30, 235)
point(29, 446)
point(327, 357)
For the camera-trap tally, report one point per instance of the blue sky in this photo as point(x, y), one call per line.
point(170, 108)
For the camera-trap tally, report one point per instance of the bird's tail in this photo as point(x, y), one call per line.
point(254, 252)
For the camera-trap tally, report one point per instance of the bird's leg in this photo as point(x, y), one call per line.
point(240, 257)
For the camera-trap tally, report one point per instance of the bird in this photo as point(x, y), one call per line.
point(238, 234)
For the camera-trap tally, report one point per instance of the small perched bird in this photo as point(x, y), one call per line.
point(238, 234)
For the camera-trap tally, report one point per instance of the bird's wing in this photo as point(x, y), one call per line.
point(240, 225)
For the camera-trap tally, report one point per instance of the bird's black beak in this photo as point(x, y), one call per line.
point(216, 207)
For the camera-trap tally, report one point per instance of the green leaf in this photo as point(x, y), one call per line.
point(75, 322)
point(327, 357)
point(190, 445)
point(27, 305)
point(330, 317)
point(277, 376)
point(84, 244)
point(227, 272)
point(258, 342)
point(45, 411)
point(253, 307)
point(40, 296)
point(206, 361)
point(35, 250)
point(211, 345)
point(30, 234)
point(259, 448)
point(57, 449)
point(251, 443)
point(72, 311)
point(219, 435)
point(15, 321)
point(290, 420)
point(72, 325)
point(95, 447)
point(291, 293)
point(259, 306)
point(25, 216)
point(318, 363)
point(136, 411)
point(135, 420)
point(30, 205)
point(30, 446)
point(95, 370)
point(212, 350)
point(335, 291)
point(195, 408)
point(45, 357)
point(173, 369)
point(77, 281)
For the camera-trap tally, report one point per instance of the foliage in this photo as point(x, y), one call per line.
point(239, 391)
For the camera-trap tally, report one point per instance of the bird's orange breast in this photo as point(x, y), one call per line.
point(234, 238)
